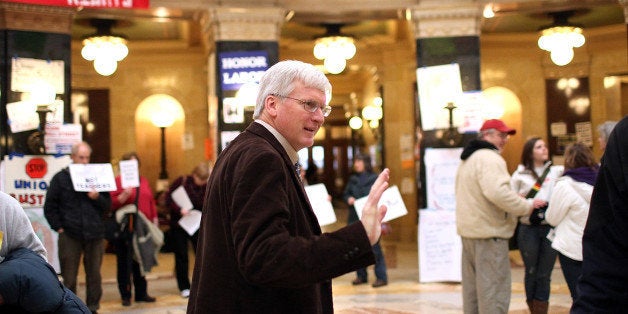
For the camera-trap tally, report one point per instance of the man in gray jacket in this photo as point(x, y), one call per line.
point(486, 217)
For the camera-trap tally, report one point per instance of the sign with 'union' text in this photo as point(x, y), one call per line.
point(118, 4)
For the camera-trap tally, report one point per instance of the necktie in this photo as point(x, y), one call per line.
point(297, 168)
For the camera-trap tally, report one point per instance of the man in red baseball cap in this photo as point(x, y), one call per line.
point(486, 216)
point(496, 132)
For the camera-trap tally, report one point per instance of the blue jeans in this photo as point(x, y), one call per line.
point(380, 265)
point(572, 270)
point(539, 258)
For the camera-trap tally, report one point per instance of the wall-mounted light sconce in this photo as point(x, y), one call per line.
point(560, 38)
point(335, 49)
point(163, 118)
point(104, 48)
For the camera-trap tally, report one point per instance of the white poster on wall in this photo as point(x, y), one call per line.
point(28, 75)
point(440, 248)
point(27, 178)
point(438, 86)
point(441, 165)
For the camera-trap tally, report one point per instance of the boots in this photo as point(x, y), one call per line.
point(530, 305)
point(539, 307)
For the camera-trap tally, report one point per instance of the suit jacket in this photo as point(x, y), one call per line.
point(260, 246)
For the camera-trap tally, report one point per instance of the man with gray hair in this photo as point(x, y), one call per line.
point(78, 218)
point(260, 247)
point(604, 131)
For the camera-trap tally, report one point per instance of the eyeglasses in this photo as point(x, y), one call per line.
point(310, 105)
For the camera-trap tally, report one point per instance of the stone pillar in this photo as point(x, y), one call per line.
point(240, 35)
point(447, 34)
point(31, 35)
point(450, 34)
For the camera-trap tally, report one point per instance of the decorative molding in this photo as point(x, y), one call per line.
point(246, 24)
point(447, 21)
point(38, 18)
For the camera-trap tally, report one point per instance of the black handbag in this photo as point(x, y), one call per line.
point(123, 229)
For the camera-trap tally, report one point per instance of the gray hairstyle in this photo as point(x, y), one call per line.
point(280, 78)
point(75, 147)
point(605, 129)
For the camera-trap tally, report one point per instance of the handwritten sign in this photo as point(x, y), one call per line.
point(88, 177)
point(391, 198)
point(319, 199)
point(60, 137)
point(441, 165)
point(129, 174)
point(440, 248)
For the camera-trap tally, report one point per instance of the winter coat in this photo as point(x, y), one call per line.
point(80, 216)
point(486, 206)
point(568, 211)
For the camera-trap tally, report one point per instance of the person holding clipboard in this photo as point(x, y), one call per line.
point(194, 186)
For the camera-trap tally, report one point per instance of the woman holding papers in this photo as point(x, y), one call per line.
point(192, 189)
point(359, 185)
point(141, 195)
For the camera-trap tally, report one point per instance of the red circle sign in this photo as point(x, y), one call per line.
point(36, 168)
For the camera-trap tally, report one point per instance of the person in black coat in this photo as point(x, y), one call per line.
point(603, 285)
point(358, 186)
point(78, 218)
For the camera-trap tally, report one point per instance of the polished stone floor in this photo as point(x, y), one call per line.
point(403, 294)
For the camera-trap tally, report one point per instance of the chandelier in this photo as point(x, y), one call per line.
point(104, 48)
point(560, 38)
point(334, 49)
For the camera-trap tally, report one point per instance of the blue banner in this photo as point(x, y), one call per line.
point(237, 68)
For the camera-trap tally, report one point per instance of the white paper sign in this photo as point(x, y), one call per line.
point(440, 248)
point(438, 85)
point(27, 73)
point(22, 116)
point(318, 196)
point(181, 198)
point(88, 177)
point(441, 165)
point(191, 222)
point(391, 198)
point(129, 174)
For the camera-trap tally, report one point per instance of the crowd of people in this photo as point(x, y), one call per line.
point(554, 213)
point(259, 230)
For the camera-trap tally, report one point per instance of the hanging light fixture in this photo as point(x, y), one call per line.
point(560, 38)
point(104, 48)
point(334, 49)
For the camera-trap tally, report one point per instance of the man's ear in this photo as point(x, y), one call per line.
point(270, 105)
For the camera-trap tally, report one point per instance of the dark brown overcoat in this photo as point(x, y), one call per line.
point(260, 247)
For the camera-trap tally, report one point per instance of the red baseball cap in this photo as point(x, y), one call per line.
point(498, 125)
